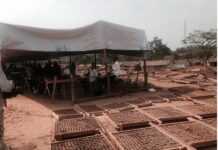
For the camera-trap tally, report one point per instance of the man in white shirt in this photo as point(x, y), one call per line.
point(116, 68)
point(93, 74)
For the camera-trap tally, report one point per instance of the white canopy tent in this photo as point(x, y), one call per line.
point(25, 42)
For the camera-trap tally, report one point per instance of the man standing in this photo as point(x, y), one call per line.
point(92, 79)
point(116, 68)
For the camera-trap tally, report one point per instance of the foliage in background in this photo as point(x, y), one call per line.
point(200, 45)
point(159, 50)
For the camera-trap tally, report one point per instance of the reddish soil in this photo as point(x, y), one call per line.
point(210, 101)
point(136, 101)
point(163, 84)
point(191, 132)
point(145, 104)
point(167, 94)
point(67, 113)
point(140, 102)
point(145, 139)
point(129, 119)
point(181, 90)
point(154, 99)
point(208, 148)
point(75, 127)
point(95, 142)
point(211, 121)
point(91, 108)
point(201, 94)
point(28, 125)
point(184, 75)
point(166, 113)
point(116, 105)
point(199, 109)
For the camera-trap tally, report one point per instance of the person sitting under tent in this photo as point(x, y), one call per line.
point(138, 68)
point(48, 70)
point(69, 70)
point(116, 68)
point(100, 85)
point(66, 71)
point(56, 70)
point(93, 74)
point(72, 68)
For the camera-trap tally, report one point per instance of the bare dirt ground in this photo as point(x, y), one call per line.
point(30, 124)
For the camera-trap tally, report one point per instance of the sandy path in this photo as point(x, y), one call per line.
point(28, 125)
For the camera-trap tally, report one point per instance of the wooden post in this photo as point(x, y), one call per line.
point(107, 72)
point(70, 59)
point(72, 88)
point(145, 73)
point(54, 85)
point(95, 60)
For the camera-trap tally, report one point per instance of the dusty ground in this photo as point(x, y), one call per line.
point(29, 123)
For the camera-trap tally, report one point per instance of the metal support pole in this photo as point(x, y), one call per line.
point(70, 59)
point(73, 88)
point(145, 72)
point(107, 72)
point(95, 60)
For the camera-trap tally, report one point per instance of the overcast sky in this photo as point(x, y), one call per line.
point(162, 18)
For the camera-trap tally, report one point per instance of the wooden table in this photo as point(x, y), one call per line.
point(54, 83)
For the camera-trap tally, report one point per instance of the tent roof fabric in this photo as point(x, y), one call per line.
point(95, 37)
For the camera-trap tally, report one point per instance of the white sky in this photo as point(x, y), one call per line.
point(162, 18)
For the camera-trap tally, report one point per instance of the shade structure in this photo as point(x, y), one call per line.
point(22, 42)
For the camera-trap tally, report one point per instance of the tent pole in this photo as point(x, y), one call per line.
point(70, 59)
point(72, 88)
point(145, 73)
point(95, 60)
point(72, 78)
point(107, 72)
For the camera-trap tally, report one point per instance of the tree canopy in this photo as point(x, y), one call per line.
point(199, 44)
point(202, 39)
point(159, 50)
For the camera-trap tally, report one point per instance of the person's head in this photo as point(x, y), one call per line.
point(55, 63)
point(72, 63)
point(93, 65)
point(115, 59)
point(48, 63)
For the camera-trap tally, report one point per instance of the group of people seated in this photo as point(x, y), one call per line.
point(34, 75)
point(95, 82)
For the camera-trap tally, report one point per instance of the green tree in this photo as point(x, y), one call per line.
point(189, 54)
point(202, 44)
point(159, 50)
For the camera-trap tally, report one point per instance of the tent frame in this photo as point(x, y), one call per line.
point(105, 62)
